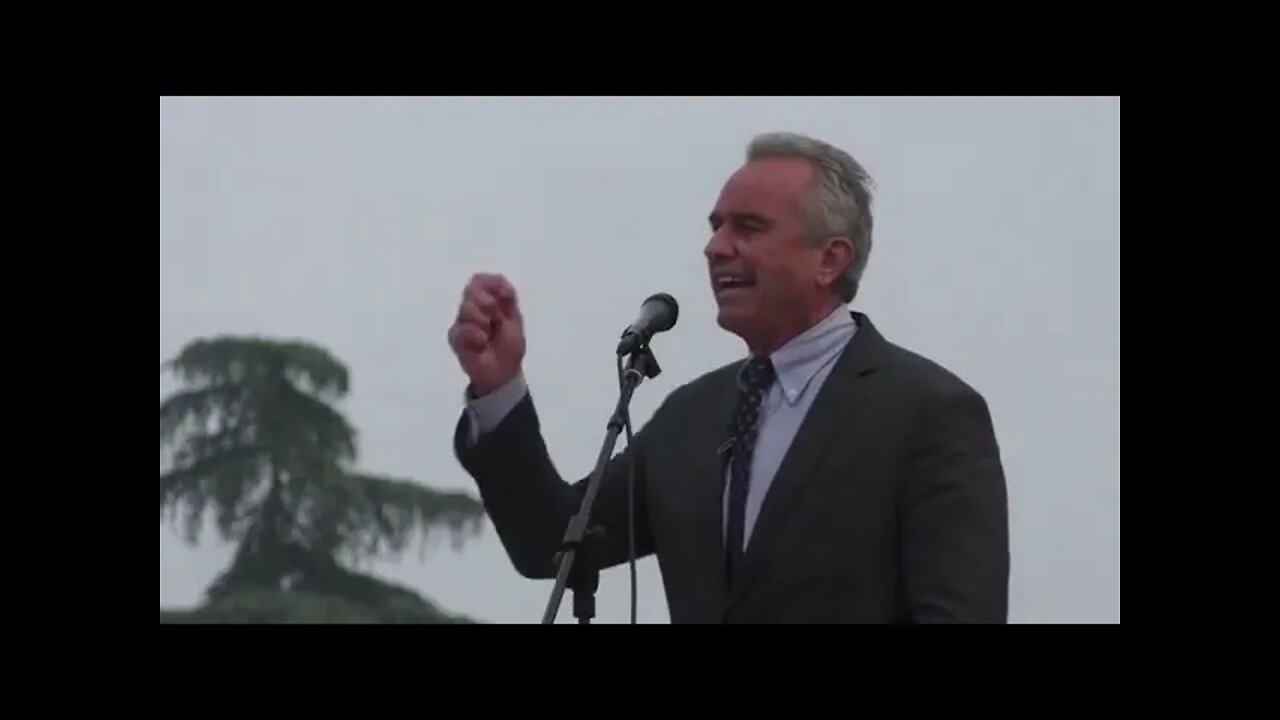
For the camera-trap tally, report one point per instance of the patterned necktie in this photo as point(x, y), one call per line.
point(757, 375)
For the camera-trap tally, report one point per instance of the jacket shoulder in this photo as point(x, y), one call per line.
point(709, 382)
point(685, 399)
point(924, 378)
point(934, 375)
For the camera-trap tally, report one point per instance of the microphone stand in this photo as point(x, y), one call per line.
point(579, 556)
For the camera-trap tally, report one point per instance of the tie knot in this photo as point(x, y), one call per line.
point(757, 373)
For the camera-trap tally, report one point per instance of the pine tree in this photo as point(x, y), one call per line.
point(254, 437)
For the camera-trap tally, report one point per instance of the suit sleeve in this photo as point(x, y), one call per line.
point(530, 503)
point(954, 516)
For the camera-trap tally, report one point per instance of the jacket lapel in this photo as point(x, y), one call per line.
point(836, 400)
point(708, 469)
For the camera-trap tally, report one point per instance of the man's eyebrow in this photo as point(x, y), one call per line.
point(752, 218)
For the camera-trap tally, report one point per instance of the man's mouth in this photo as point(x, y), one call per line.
point(728, 281)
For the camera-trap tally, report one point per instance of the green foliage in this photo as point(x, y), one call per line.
point(255, 438)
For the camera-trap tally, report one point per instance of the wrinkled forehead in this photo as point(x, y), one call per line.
point(773, 186)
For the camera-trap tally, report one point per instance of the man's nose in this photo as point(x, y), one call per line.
point(718, 247)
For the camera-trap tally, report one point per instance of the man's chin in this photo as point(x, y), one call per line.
point(734, 320)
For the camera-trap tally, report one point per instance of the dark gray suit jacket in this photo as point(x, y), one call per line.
point(890, 506)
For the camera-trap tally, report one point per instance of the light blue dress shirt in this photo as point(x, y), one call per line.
point(801, 366)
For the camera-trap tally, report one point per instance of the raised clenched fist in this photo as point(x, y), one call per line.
point(488, 334)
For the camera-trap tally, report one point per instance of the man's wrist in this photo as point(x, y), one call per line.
point(488, 409)
point(476, 390)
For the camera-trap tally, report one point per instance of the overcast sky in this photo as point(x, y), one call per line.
point(355, 222)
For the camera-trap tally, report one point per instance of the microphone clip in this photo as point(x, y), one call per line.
point(640, 364)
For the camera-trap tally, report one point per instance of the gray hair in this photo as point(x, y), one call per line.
point(840, 205)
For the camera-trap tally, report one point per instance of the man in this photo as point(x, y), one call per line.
point(832, 476)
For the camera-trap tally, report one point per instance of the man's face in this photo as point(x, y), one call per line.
point(765, 277)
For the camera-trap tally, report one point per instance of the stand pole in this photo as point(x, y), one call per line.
point(579, 555)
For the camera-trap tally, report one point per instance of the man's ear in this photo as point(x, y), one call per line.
point(837, 256)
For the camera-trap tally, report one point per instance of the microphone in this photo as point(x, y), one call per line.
point(657, 314)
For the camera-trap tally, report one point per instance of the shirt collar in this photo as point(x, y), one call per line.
point(799, 360)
